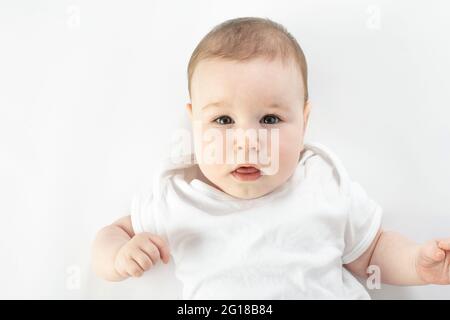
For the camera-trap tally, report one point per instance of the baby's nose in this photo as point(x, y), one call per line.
point(247, 141)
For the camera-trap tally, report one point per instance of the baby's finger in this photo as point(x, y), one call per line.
point(133, 269)
point(433, 252)
point(162, 247)
point(444, 244)
point(151, 250)
point(120, 265)
point(122, 271)
point(143, 260)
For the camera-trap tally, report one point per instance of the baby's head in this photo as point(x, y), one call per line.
point(248, 106)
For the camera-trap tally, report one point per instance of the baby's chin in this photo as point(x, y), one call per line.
point(249, 190)
point(244, 186)
point(248, 195)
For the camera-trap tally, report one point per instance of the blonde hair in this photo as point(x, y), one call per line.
point(245, 38)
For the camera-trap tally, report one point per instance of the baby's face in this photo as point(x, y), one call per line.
point(249, 120)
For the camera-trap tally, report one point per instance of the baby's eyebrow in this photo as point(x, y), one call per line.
point(276, 106)
point(221, 104)
point(218, 104)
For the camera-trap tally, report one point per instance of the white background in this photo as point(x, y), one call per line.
point(91, 91)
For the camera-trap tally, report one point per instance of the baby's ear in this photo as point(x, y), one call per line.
point(189, 110)
point(306, 112)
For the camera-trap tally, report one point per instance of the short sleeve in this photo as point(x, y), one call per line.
point(363, 222)
point(142, 213)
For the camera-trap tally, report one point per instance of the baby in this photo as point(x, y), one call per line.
point(256, 213)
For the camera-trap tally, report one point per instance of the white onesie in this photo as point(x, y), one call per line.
point(289, 244)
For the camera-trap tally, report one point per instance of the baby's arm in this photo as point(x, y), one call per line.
point(404, 262)
point(119, 253)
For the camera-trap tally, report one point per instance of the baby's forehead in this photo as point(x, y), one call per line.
point(259, 78)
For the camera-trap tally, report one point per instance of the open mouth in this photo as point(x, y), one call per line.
point(246, 173)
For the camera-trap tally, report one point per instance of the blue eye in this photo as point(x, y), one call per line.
point(270, 119)
point(223, 120)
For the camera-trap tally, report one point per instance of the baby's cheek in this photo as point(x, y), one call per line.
point(215, 148)
point(289, 153)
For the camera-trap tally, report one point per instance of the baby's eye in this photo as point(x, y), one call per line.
point(270, 119)
point(223, 120)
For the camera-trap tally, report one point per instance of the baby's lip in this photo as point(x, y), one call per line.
point(246, 169)
point(246, 173)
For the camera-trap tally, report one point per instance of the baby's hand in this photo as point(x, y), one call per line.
point(433, 262)
point(140, 254)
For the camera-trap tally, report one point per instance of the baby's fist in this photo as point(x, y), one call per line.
point(433, 262)
point(140, 254)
